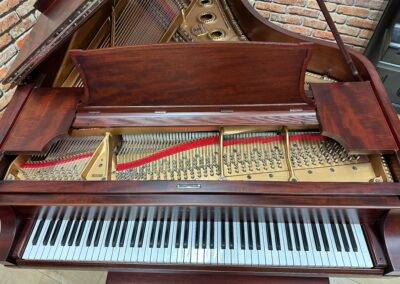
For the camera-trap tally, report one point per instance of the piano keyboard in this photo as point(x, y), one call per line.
point(216, 237)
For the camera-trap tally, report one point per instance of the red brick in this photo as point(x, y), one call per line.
point(7, 5)
point(367, 34)
point(315, 24)
point(373, 4)
point(354, 41)
point(353, 11)
point(5, 39)
point(262, 5)
point(8, 21)
point(290, 19)
point(303, 11)
point(314, 5)
point(346, 30)
point(25, 8)
point(361, 23)
point(21, 40)
point(23, 26)
point(346, 2)
point(323, 34)
point(291, 2)
point(299, 29)
point(278, 8)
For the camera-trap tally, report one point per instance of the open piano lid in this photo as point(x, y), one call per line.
point(53, 27)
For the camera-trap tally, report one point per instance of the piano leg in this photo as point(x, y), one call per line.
point(8, 228)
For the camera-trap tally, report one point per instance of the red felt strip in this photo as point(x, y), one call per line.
point(28, 165)
point(215, 140)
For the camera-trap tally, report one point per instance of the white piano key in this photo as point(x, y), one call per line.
point(214, 251)
point(180, 255)
point(127, 255)
point(57, 248)
point(187, 251)
point(362, 245)
point(247, 252)
point(136, 249)
point(254, 252)
point(285, 247)
point(221, 252)
point(172, 239)
point(351, 254)
point(207, 251)
point(80, 253)
point(201, 251)
point(334, 255)
point(39, 248)
point(102, 250)
point(162, 249)
point(226, 253)
point(311, 245)
point(116, 249)
point(264, 238)
point(302, 252)
point(144, 251)
point(325, 255)
point(29, 247)
point(275, 253)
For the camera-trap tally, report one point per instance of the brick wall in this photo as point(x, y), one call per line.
point(356, 20)
point(16, 19)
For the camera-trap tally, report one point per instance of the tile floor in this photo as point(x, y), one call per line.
point(38, 276)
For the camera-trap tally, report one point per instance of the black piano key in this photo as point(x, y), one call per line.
point(109, 232)
point(178, 231)
point(153, 232)
point(80, 232)
point(242, 238)
point(167, 230)
point(38, 231)
point(223, 217)
point(74, 230)
point(91, 232)
point(116, 232)
point(197, 237)
point(257, 231)
point(66, 231)
point(99, 231)
point(269, 236)
point(336, 237)
point(296, 235)
point(324, 236)
point(315, 235)
point(352, 237)
point(56, 232)
point(123, 232)
point(48, 232)
point(134, 231)
point(142, 231)
point(186, 231)
point(231, 234)
point(288, 236)
point(249, 232)
point(277, 237)
point(204, 239)
point(212, 229)
point(303, 235)
point(344, 237)
point(161, 229)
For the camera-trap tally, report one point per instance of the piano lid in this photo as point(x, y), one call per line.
point(54, 26)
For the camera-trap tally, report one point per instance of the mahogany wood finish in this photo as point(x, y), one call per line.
point(257, 28)
point(48, 111)
point(44, 5)
point(391, 233)
point(190, 74)
point(349, 114)
point(12, 111)
point(238, 188)
point(274, 119)
point(8, 228)
point(154, 278)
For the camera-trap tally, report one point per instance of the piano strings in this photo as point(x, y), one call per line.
point(253, 156)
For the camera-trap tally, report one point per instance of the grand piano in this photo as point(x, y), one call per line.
point(196, 141)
